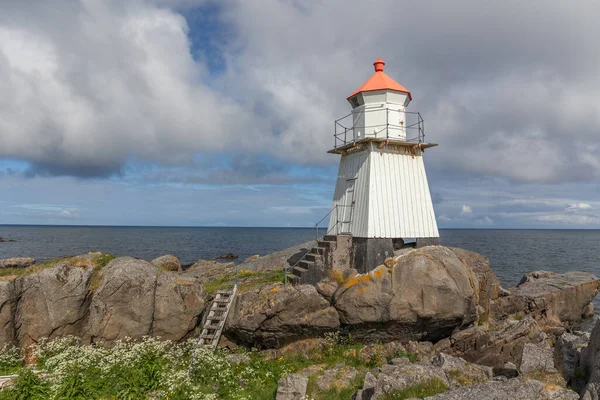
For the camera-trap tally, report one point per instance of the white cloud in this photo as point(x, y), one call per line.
point(466, 211)
point(579, 206)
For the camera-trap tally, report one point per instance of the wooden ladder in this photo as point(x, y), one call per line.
point(215, 320)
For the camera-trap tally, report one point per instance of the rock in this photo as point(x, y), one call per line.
point(554, 298)
point(567, 354)
point(427, 295)
point(510, 389)
point(495, 348)
point(17, 262)
point(123, 304)
point(459, 372)
point(275, 315)
point(532, 276)
point(590, 365)
point(422, 351)
point(178, 305)
point(327, 288)
point(227, 256)
point(588, 311)
point(167, 262)
point(210, 271)
point(7, 311)
point(507, 370)
point(2, 240)
point(292, 387)
point(398, 375)
point(591, 392)
point(302, 347)
point(278, 260)
point(237, 359)
point(51, 303)
point(336, 378)
point(536, 358)
point(252, 258)
point(487, 283)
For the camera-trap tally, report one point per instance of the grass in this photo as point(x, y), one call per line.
point(421, 390)
point(99, 263)
point(247, 280)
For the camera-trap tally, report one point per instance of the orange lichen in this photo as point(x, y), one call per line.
point(368, 277)
point(275, 289)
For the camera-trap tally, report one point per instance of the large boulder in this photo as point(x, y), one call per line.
point(275, 315)
point(167, 262)
point(51, 303)
point(426, 295)
point(560, 299)
point(567, 355)
point(292, 387)
point(17, 262)
point(511, 389)
point(537, 358)
point(123, 304)
point(487, 283)
point(178, 305)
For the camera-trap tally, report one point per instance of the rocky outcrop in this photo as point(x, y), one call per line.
point(557, 300)
point(567, 355)
point(209, 271)
point(590, 366)
point(8, 302)
point(276, 315)
point(427, 294)
point(17, 262)
point(167, 263)
point(511, 389)
point(51, 303)
point(399, 374)
point(278, 260)
point(537, 358)
point(493, 348)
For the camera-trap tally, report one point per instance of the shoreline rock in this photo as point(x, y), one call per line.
point(17, 262)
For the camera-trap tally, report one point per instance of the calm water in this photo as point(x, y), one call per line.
point(512, 252)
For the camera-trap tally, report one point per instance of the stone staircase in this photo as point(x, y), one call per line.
point(215, 320)
point(330, 251)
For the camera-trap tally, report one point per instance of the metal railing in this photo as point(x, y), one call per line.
point(346, 128)
point(335, 208)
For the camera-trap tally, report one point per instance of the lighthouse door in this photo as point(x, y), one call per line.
point(347, 206)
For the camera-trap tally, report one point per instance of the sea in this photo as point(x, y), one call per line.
point(512, 252)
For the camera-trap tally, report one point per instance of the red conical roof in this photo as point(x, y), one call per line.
point(380, 81)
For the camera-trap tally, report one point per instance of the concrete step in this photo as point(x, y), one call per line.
point(318, 250)
point(298, 271)
point(293, 279)
point(312, 257)
point(330, 238)
point(306, 264)
point(322, 243)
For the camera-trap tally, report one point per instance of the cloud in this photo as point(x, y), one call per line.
point(579, 206)
point(466, 211)
point(137, 81)
point(485, 221)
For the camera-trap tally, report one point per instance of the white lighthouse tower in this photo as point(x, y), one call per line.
point(381, 195)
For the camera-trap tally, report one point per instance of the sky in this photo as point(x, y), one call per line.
point(220, 112)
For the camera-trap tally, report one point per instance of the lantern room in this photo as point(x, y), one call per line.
point(379, 108)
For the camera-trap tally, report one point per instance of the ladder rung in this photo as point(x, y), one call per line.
point(224, 301)
point(207, 336)
point(227, 292)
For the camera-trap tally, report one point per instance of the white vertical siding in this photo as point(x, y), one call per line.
point(352, 166)
point(401, 204)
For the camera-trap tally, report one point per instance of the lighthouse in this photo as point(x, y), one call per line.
point(381, 196)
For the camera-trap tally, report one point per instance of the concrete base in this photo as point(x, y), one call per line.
point(369, 253)
point(422, 242)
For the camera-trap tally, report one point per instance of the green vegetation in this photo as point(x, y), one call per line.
point(419, 391)
point(400, 353)
point(247, 279)
point(159, 369)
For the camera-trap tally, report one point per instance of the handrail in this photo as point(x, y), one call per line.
point(341, 136)
point(287, 268)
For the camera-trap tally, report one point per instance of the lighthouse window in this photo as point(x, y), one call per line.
point(354, 102)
